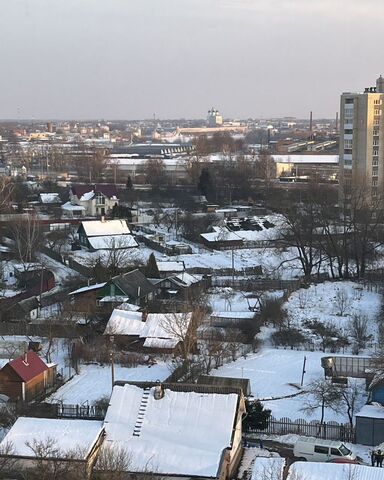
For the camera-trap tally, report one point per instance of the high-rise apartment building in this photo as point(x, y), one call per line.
point(362, 140)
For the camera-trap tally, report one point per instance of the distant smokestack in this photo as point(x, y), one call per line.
point(310, 121)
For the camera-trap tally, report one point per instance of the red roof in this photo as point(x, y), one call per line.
point(28, 366)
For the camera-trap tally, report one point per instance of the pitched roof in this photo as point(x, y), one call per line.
point(96, 228)
point(134, 283)
point(109, 190)
point(176, 434)
point(28, 366)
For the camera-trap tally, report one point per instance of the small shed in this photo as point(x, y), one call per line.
point(376, 389)
point(370, 425)
point(26, 377)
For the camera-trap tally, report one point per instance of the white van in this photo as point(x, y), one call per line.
point(317, 450)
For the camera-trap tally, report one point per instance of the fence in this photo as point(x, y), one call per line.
point(59, 410)
point(250, 284)
point(328, 431)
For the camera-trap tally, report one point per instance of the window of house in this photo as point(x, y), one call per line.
point(100, 199)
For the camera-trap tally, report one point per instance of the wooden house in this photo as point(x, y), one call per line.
point(27, 377)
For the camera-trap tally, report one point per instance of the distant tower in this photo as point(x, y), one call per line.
point(214, 119)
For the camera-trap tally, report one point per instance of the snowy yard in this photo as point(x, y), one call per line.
point(334, 302)
point(94, 381)
point(274, 373)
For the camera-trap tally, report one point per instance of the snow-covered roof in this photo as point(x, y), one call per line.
point(186, 279)
point(70, 207)
point(170, 266)
point(157, 326)
point(268, 468)
point(371, 411)
point(87, 196)
point(331, 159)
point(221, 235)
point(109, 242)
point(69, 435)
point(88, 288)
point(332, 471)
point(231, 314)
point(124, 322)
point(50, 198)
point(176, 435)
point(94, 228)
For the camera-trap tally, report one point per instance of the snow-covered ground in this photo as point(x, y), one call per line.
point(94, 381)
point(277, 373)
point(323, 301)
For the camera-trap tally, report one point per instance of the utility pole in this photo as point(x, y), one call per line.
point(233, 267)
point(111, 354)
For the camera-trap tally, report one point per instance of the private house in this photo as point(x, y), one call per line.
point(27, 377)
point(167, 269)
point(132, 287)
point(181, 287)
point(97, 200)
point(105, 235)
point(76, 444)
point(84, 299)
point(168, 430)
point(148, 331)
point(221, 239)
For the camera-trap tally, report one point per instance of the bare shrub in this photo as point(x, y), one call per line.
point(342, 301)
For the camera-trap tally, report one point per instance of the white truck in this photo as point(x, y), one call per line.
point(314, 449)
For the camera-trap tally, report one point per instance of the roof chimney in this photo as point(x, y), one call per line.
point(158, 393)
point(25, 361)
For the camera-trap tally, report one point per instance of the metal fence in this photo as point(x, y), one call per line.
point(59, 410)
point(328, 431)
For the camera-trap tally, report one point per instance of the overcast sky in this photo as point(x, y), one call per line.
point(131, 59)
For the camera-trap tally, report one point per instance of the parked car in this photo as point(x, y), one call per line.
point(317, 450)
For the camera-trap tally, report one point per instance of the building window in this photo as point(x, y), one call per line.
point(100, 200)
point(376, 102)
point(375, 161)
point(347, 144)
point(374, 182)
point(375, 142)
point(348, 131)
point(349, 101)
point(377, 111)
point(375, 171)
point(375, 152)
point(347, 162)
point(376, 121)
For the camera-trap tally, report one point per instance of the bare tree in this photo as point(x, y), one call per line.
point(155, 174)
point(342, 301)
point(183, 328)
point(113, 461)
point(348, 399)
point(359, 332)
point(321, 394)
point(7, 459)
point(27, 238)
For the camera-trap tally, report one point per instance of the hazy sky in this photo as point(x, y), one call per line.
point(176, 58)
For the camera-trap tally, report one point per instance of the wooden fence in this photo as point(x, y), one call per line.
point(328, 431)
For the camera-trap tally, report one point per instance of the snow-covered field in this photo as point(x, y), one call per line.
point(274, 373)
point(323, 301)
point(95, 381)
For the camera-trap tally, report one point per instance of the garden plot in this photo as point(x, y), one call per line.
point(276, 373)
point(334, 302)
point(95, 381)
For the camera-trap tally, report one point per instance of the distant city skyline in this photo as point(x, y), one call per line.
point(65, 59)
